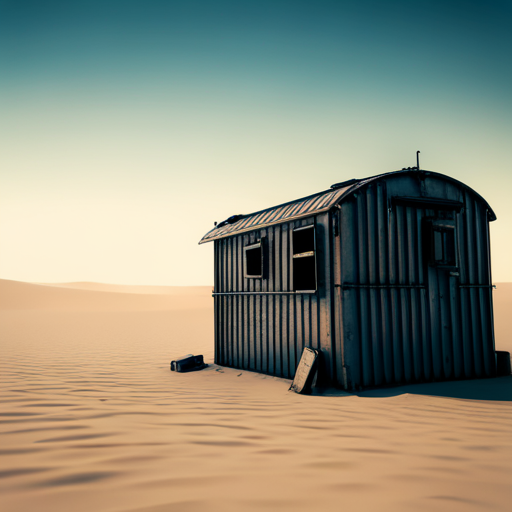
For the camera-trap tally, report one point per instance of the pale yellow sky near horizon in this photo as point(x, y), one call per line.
point(101, 215)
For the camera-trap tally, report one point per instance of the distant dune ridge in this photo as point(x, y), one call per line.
point(138, 289)
point(101, 297)
point(92, 418)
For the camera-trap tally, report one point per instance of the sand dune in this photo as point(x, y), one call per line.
point(92, 419)
point(95, 297)
point(121, 288)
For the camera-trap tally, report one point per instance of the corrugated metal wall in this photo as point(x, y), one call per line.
point(381, 315)
point(261, 324)
point(402, 320)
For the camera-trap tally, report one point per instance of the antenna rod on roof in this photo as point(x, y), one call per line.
point(417, 160)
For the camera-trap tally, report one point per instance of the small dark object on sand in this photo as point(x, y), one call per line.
point(188, 363)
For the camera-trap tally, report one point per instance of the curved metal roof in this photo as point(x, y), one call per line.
point(312, 205)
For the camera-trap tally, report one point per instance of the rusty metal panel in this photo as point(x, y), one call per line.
point(465, 312)
point(246, 314)
point(411, 221)
point(229, 281)
point(252, 318)
point(285, 261)
point(313, 315)
point(458, 359)
point(278, 324)
point(258, 326)
point(216, 300)
point(364, 306)
point(395, 297)
point(239, 303)
point(285, 265)
point(426, 342)
point(385, 298)
point(264, 305)
point(350, 334)
point(225, 303)
point(324, 290)
point(221, 304)
point(446, 328)
point(271, 302)
point(308, 322)
point(473, 292)
point(290, 300)
point(292, 334)
point(300, 308)
point(374, 277)
point(337, 304)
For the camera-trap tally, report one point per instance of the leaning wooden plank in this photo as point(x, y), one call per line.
point(305, 371)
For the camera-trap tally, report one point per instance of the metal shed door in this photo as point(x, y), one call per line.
point(426, 327)
point(440, 253)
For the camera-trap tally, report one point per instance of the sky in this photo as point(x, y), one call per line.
point(128, 127)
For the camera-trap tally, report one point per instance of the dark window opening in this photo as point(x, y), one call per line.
point(442, 243)
point(303, 240)
point(253, 261)
point(304, 259)
point(304, 274)
point(444, 247)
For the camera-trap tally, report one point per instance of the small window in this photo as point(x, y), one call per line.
point(304, 259)
point(441, 239)
point(253, 261)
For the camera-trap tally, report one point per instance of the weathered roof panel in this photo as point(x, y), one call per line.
point(311, 205)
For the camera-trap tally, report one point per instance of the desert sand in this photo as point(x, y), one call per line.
point(92, 419)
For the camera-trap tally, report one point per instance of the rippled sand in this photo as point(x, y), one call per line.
point(93, 420)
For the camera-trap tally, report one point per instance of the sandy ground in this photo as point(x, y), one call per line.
point(93, 420)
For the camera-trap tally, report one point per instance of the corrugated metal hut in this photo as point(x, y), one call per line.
point(388, 277)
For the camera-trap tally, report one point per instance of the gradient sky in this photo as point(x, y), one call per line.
point(128, 127)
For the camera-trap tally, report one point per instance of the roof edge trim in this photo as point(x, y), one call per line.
point(266, 225)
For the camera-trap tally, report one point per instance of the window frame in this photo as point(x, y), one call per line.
point(307, 254)
point(250, 247)
point(441, 226)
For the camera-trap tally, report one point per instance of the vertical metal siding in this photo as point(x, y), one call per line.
point(278, 287)
point(261, 331)
point(246, 310)
point(393, 301)
point(216, 301)
point(350, 331)
point(383, 261)
point(263, 306)
point(324, 293)
point(473, 293)
point(398, 320)
point(271, 303)
point(374, 293)
point(285, 263)
point(402, 320)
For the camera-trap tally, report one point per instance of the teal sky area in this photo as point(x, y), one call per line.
point(128, 127)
